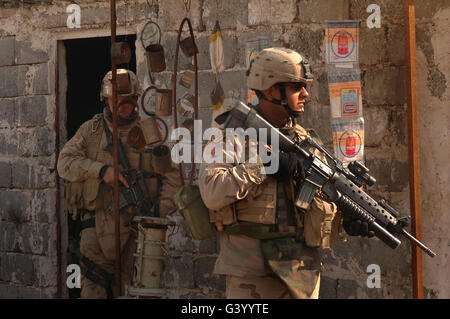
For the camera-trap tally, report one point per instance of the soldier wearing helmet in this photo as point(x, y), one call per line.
point(86, 163)
point(279, 77)
point(268, 247)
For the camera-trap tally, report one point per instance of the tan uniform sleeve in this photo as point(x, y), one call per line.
point(222, 184)
point(73, 163)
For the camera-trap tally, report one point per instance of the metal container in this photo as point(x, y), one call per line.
point(120, 52)
point(161, 159)
point(136, 138)
point(186, 104)
point(164, 102)
point(149, 256)
point(188, 47)
point(123, 84)
point(150, 130)
point(187, 78)
point(156, 61)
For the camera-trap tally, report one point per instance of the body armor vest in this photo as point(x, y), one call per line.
point(91, 194)
point(270, 212)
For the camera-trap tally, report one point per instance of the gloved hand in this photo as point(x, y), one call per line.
point(356, 227)
point(402, 222)
point(288, 166)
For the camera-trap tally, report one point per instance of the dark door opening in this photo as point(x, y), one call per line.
point(87, 62)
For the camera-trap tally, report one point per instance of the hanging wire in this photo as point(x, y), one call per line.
point(126, 33)
point(149, 6)
point(217, 11)
point(187, 7)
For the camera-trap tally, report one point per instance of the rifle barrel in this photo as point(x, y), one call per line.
point(418, 243)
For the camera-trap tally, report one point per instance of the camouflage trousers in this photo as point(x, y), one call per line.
point(295, 273)
point(90, 248)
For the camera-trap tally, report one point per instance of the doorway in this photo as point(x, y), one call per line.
point(82, 65)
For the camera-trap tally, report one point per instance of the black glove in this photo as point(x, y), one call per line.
point(288, 166)
point(402, 222)
point(356, 227)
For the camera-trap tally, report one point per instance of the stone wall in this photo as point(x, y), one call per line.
point(27, 184)
point(29, 31)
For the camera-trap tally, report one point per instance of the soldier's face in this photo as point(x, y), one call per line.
point(296, 95)
point(125, 109)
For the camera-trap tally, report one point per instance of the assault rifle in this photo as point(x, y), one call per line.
point(134, 195)
point(340, 184)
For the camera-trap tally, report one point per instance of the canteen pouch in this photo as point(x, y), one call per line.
point(196, 214)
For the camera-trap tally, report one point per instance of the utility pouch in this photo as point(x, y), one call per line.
point(73, 193)
point(320, 226)
point(90, 191)
point(196, 214)
point(223, 217)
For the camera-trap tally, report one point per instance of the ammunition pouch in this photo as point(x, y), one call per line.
point(322, 224)
point(73, 193)
point(223, 217)
point(260, 207)
point(90, 192)
point(272, 210)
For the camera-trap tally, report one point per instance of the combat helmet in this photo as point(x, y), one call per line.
point(277, 65)
point(132, 90)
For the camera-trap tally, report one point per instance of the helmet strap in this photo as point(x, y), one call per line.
point(283, 101)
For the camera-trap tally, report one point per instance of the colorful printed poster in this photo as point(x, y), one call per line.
point(348, 139)
point(345, 93)
point(253, 46)
point(342, 40)
point(252, 99)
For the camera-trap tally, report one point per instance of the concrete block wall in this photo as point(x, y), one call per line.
point(27, 210)
point(28, 35)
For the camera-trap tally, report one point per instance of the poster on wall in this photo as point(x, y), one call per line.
point(345, 94)
point(253, 46)
point(252, 99)
point(342, 40)
point(348, 139)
